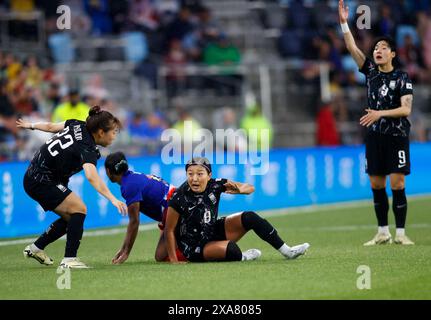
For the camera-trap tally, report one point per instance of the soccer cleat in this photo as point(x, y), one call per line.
point(297, 251)
point(404, 240)
point(251, 254)
point(40, 256)
point(73, 263)
point(379, 238)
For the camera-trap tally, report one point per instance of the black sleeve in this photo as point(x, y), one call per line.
point(406, 85)
point(89, 155)
point(70, 122)
point(175, 203)
point(218, 185)
point(368, 66)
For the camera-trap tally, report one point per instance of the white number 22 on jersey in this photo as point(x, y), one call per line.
point(63, 144)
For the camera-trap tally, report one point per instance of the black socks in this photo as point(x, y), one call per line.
point(233, 252)
point(75, 228)
point(55, 231)
point(381, 206)
point(399, 207)
point(251, 221)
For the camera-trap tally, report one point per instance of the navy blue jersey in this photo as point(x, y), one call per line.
point(64, 154)
point(384, 92)
point(198, 211)
point(150, 191)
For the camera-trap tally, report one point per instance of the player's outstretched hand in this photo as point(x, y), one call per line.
point(121, 206)
point(343, 11)
point(120, 257)
point(232, 188)
point(23, 124)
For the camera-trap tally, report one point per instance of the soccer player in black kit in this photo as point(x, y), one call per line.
point(192, 221)
point(390, 97)
point(72, 149)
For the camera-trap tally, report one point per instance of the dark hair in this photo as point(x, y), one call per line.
point(201, 161)
point(116, 163)
point(391, 43)
point(101, 119)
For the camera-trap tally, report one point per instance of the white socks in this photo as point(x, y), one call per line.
point(401, 232)
point(284, 250)
point(384, 230)
point(34, 248)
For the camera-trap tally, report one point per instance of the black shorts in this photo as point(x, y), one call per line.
point(195, 253)
point(386, 154)
point(49, 196)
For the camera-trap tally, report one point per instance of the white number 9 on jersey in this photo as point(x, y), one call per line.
point(67, 142)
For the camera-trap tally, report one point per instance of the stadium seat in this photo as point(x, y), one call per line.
point(135, 46)
point(61, 46)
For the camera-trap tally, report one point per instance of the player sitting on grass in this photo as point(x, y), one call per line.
point(143, 193)
point(192, 221)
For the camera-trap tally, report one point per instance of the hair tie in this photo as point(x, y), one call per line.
point(117, 166)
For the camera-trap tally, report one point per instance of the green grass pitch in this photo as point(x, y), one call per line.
point(328, 271)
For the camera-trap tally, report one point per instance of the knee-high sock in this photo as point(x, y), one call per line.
point(75, 228)
point(251, 221)
point(381, 206)
point(399, 207)
point(55, 231)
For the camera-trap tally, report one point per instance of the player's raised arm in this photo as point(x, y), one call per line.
point(132, 231)
point(356, 53)
point(233, 187)
point(42, 126)
point(98, 184)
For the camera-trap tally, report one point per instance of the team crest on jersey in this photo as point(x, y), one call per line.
point(212, 198)
point(392, 84)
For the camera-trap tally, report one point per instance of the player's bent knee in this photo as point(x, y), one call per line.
point(249, 219)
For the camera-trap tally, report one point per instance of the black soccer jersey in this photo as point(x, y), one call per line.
point(63, 155)
point(384, 91)
point(198, 212)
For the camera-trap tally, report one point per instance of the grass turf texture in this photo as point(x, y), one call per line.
point(328, 271)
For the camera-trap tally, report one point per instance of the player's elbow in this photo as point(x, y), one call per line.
point(407, 111)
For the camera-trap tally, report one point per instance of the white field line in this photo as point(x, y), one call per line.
point(268, 213)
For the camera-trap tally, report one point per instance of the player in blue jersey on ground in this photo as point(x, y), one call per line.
point(143, 193)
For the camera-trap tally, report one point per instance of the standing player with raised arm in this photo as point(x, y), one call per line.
point(390, 97)
point(72, 149)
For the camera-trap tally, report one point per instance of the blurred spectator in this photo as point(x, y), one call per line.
point(143, 15)
point(118, 11)
point(175, 60)
point(95, 89)
point(224, 53)
point(98, 10)
point(257, 127)
point(424, 30)
point(74, 108)
point(327, 133)
point(409, 56)
point(34, 72)
point(188, 127)
point(180, 27)
point(236, 141)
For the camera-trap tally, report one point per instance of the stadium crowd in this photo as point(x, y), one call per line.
point(183, 32)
